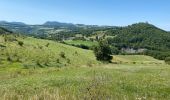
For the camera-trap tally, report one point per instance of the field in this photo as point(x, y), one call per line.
point(136, 59)
point(126, 81)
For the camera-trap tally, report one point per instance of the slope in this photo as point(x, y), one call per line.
point(142, 35)
point(21, 51)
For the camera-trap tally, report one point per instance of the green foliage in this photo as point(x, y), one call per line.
point(141, 35)
point(167, 60)
point(114, 50)
point(21, 43)
point(62, 54)
point(103, 51)
point(158, 54)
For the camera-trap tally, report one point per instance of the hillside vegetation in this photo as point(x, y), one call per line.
point(142, 36)
point(30, 52)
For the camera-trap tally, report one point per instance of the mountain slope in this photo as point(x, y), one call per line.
point(141, 35)
point(141, 38)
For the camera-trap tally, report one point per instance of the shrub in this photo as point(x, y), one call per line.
point(47, 44)
point(9, 58)
point(62, 54)
point(40, 47)
point(39, 64)
point(167, 60)
point(68, 61)
point(76, 53)
point(58, 60)
point(21, 43)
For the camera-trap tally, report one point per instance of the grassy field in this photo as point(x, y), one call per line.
point(79, 42)
point(105, 81)
point(46, 70)
point(136, 59)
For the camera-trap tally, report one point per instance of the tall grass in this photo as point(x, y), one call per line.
point(128, 82)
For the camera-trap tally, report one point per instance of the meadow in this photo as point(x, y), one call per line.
point(99, 82)
point(46, 70)
point(42, 53)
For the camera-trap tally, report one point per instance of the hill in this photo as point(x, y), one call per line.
point(141, 36)
point(56, 24)
point(17, 27)
point(30, 52)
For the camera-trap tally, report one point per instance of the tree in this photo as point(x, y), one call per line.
point(103, 51)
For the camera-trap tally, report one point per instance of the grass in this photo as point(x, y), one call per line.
point(112, 81)
point(140, 59)
point(79, 42)
point(43, 53)
point(37, 71)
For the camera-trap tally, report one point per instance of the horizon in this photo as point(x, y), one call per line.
point(96, 12)
point(81, 23)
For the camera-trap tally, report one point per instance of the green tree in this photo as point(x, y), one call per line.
point(103, 51)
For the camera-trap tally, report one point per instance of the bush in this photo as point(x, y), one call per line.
point(62, 54)
point(9, 58)
point(20, 43)
point(68, 61)
point(47, 45)
point(167, 60)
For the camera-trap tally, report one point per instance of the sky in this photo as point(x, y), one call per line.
point(95, 12)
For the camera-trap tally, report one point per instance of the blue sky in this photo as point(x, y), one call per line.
point(100, 12)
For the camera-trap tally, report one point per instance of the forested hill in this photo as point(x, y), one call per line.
point(141, 35)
